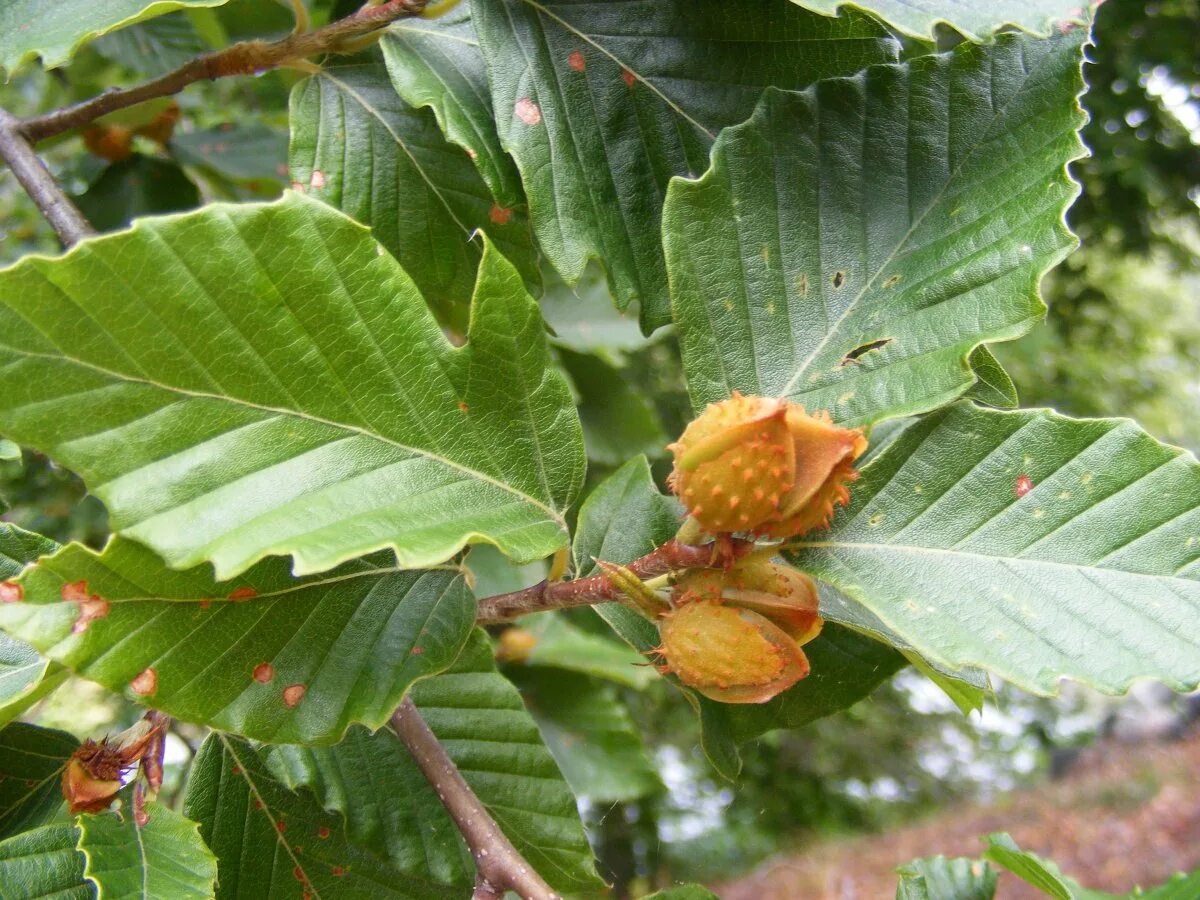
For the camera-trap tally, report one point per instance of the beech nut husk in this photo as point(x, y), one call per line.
point(764, 466)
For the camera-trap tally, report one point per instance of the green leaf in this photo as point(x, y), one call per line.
point(356, 146)
point(32, 28)
point(226, 418)
point(619, 422)
point(480, 720)
point(1010, 540)
point(582, 318)
point(44, 863)
point(839, 255)
point(993, 386)
point(9, 451)
point(562, 645)
point(964, 693)
point(601, 105)
point(138, 186)
point(153, 47)
point(1042, 874)
point(25, 677)
point(271, 841)
point(589, 733)
point(1181, 887)
point(240, 153)
point(624, 518)
point(937, 877)
point(280, 660)
point(31, 764)
point(977, 21)
point(437, 63)
point(683, 892)
point(165, 859)
point(389, 807)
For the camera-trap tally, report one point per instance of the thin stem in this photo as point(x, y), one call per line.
point(246, 58)
point(498, 864)
point(670, 557)
point(66, 220)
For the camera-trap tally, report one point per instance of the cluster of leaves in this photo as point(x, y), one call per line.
point(299, 416)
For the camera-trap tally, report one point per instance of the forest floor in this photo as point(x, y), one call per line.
point(1124, 815)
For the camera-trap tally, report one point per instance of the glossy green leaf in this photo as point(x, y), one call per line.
point(602, 103)
point(55, 29)
point(306, 404)
point(972, 18)
point(271, 841)
point(389, 807)
point(25, 677)
point(1042, 874)
point(165, 859)
point(138, 186)
point(619, 421)
point(853, 244)
point(31, 764)
point(266, 656)
point(44, 863)
point(1027, 544)
point(153, 47)
point(481, 721)
point(939, 878)
point(563, 645)
point(437, 63)
point(589, 733)
point(356, 146)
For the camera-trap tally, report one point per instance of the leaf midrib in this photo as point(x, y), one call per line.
point(555, 515)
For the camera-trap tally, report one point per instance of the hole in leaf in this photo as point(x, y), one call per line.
point(858, 352)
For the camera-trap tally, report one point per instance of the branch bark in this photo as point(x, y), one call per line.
point(246, 58)
point(66, 220)
point(670, 557)
point(499, 866)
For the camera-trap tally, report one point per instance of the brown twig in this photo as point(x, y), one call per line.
point(66, 220)
point(245, 58)
point(670, 557)
point(498, 864)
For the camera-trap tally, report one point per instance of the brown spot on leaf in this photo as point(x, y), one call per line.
point(205, 603)
point(317, 181)
point(462, 406)
point(145, 683)
point(337, 871)
point(499, 215)
point(472, 153)
point(264, 672)
point(323, 833)
point(1023, 486)
point(75, 591)
point(89, 610)
point(892, 282)
point(298, 187)
point(293, 694)
point(280, 826)
point(243, 593)
point(576, 61)
point(528, 111)
point(839, 278)
point(11, 592)
point(628, 77)
point(299, 873)
point(417, 651)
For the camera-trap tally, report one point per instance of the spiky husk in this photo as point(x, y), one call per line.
point(764, 466)
point(728, 654)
